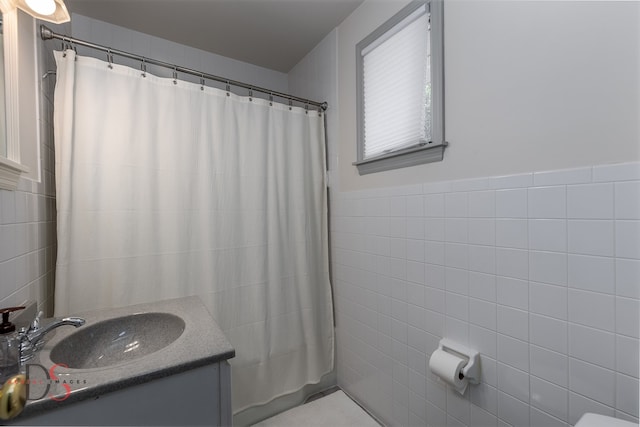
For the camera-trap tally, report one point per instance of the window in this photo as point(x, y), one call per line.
point(400, 89)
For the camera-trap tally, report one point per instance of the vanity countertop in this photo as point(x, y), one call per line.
point(201, 343)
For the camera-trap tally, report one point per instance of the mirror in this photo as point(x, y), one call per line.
point(19, 151)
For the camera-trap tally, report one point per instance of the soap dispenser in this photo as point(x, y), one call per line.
point(9, 346)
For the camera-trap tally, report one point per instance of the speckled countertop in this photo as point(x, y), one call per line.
point(201, 343)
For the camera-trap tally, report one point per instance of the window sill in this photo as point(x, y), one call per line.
point(10, 173)
point(402, 159)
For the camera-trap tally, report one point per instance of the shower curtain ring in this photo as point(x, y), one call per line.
point(306, 108)
point(110, 59)
point(202, 81)
point(143, 67)
point(175, 75)
point(250, 94)
point(271, 99)
point(228, 88)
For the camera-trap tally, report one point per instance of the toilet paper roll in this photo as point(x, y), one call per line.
point(448, 367)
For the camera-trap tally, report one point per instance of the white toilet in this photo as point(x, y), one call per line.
point(597, 420)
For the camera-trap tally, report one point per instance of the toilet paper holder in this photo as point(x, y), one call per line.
point(471, 370)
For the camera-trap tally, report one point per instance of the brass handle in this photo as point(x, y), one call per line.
point(13, 397)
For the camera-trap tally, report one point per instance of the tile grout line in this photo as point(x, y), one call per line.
point(615, 307)
point(495, 302)
point(528, 304)
point(568, 376)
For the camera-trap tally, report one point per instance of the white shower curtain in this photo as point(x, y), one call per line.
point(166, 190)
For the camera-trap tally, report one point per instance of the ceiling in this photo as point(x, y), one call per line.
point(275, 34)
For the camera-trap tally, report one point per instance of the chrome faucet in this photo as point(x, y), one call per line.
point(31, 339)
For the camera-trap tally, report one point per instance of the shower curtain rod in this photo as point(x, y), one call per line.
point(47, 34)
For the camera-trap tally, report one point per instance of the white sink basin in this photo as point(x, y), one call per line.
point(114, 341)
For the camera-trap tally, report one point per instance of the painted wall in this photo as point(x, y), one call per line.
point(120, 38)
point(529, 86)
point(316, 77)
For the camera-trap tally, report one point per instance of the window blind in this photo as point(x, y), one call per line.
point(396, 87)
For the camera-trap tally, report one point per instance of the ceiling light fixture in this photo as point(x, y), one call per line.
point(42, 7)
point(47, 10)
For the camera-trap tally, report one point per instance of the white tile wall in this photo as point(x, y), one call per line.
point(540, 272)
point(27, 216)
